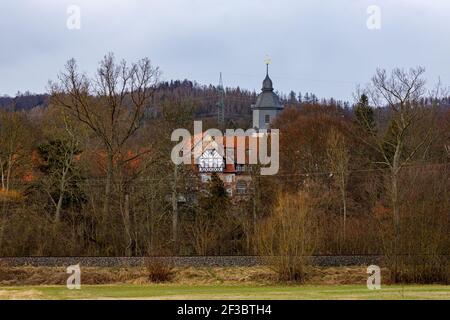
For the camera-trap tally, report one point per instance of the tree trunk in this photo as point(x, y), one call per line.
point(127, 226)
point(3, 175)
point(62, 189)
point(175, 208)
point(254, 209)
point(344, 204)
point(396, 217)
point(8, 172)
point(109, 177)
point(59, 206)
point(2, 227)
point(395, 169)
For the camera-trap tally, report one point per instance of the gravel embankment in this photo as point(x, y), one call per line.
point(191, 261)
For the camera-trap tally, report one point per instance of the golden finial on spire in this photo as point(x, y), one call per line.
point(267, 61)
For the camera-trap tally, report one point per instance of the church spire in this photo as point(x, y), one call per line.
point(267, 61)
point(267, 83)
point(267, 104)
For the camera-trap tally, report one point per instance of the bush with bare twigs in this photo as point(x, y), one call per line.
point(422, 254)
point(287, 238)
point(159, 270)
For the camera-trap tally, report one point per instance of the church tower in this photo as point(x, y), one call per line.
point(267, 105)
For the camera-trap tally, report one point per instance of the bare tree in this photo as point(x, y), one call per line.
point(112, 104)
point(398, 145)
point(175, 115)
point(60, 152)
point(338, 158)
point(14, 144)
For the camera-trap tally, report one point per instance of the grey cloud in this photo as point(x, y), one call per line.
point(321, 46)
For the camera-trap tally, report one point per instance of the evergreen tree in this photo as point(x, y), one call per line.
point(292, 97)
point(307, 97)
point(57, 156)
point(215, 200)
point(364, 114)
point(217, 189)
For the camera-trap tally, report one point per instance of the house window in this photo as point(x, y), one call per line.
point(241, 187)
point(267, 118)
point(229, 178)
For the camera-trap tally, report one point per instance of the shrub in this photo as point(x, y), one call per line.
point(287, 238)
point(159, 270)
point(420, 252)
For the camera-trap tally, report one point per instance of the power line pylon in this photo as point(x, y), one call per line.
point(221, 105)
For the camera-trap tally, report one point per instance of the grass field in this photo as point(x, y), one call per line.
point(209, 292)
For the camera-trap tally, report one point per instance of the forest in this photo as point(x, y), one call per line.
point(86, 171)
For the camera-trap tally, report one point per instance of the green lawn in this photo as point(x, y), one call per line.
point(169, 291)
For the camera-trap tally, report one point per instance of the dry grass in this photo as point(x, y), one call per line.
point(342, 275)
point(259, 275)
point(20, 295)
point(159, 271)
point(10, 276)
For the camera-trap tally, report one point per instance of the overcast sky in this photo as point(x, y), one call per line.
point(320, 46)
